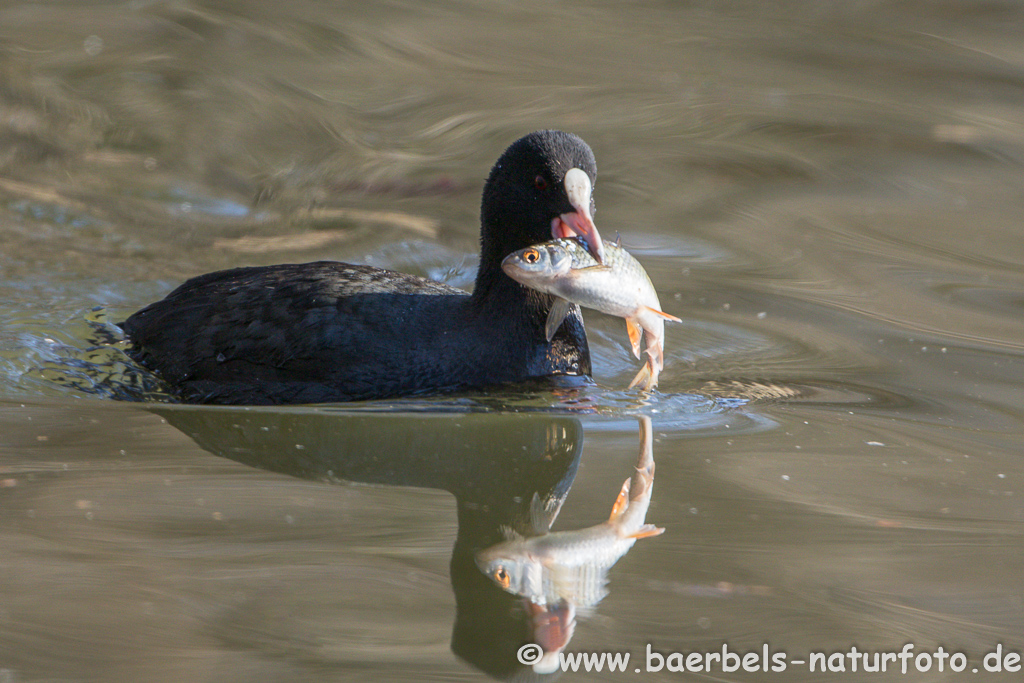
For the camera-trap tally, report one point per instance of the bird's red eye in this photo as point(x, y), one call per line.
point(540, 182)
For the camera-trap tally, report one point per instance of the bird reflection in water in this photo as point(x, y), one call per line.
point(509, 474)
point(558, 573)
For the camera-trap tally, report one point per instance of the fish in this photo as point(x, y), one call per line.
point(617, 286)
point(570, 568)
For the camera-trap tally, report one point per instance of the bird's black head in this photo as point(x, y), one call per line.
point(527, 198)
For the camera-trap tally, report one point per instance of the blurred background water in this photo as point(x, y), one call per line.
point(828, 193)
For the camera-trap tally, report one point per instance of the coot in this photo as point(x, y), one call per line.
point(329, 331)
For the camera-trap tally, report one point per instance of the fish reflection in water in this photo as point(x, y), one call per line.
point(493, 464)
point(557, 573)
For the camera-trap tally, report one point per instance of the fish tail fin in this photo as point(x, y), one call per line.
point(648, 530)
point(633, 328)
point(647, 378)
point(621, 502)
point(663, 314)
point(656, 353)
point(655, 362)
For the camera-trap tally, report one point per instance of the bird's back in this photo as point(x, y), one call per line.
point(298, 331)
point(327, 331)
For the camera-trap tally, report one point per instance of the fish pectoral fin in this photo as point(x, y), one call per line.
point(634, 331)
point(663, 314)
point(542, 514)
point(591, 269)
point(559, 310)
point(646, 531)
point(621, 502)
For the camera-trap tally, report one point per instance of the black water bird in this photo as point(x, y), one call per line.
point(329, 331)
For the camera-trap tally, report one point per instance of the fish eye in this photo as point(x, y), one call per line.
point(531, 255)
point(540, 182)
point(502, 577)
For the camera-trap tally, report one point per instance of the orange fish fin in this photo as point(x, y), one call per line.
point(647, 530)
point(633, 328)
point(664, 315)
point(621, 502)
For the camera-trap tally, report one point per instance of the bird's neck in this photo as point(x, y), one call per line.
point(495, 291)
point(521, 314)
point(492, 285)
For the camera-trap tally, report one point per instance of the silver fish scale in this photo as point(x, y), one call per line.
point(613, 286)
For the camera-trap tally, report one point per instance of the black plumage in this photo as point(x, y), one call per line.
point(329, 331)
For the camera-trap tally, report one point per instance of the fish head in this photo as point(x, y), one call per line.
point(506, 571)
point(538, 265)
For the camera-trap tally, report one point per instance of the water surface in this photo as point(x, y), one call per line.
point(828, 194)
